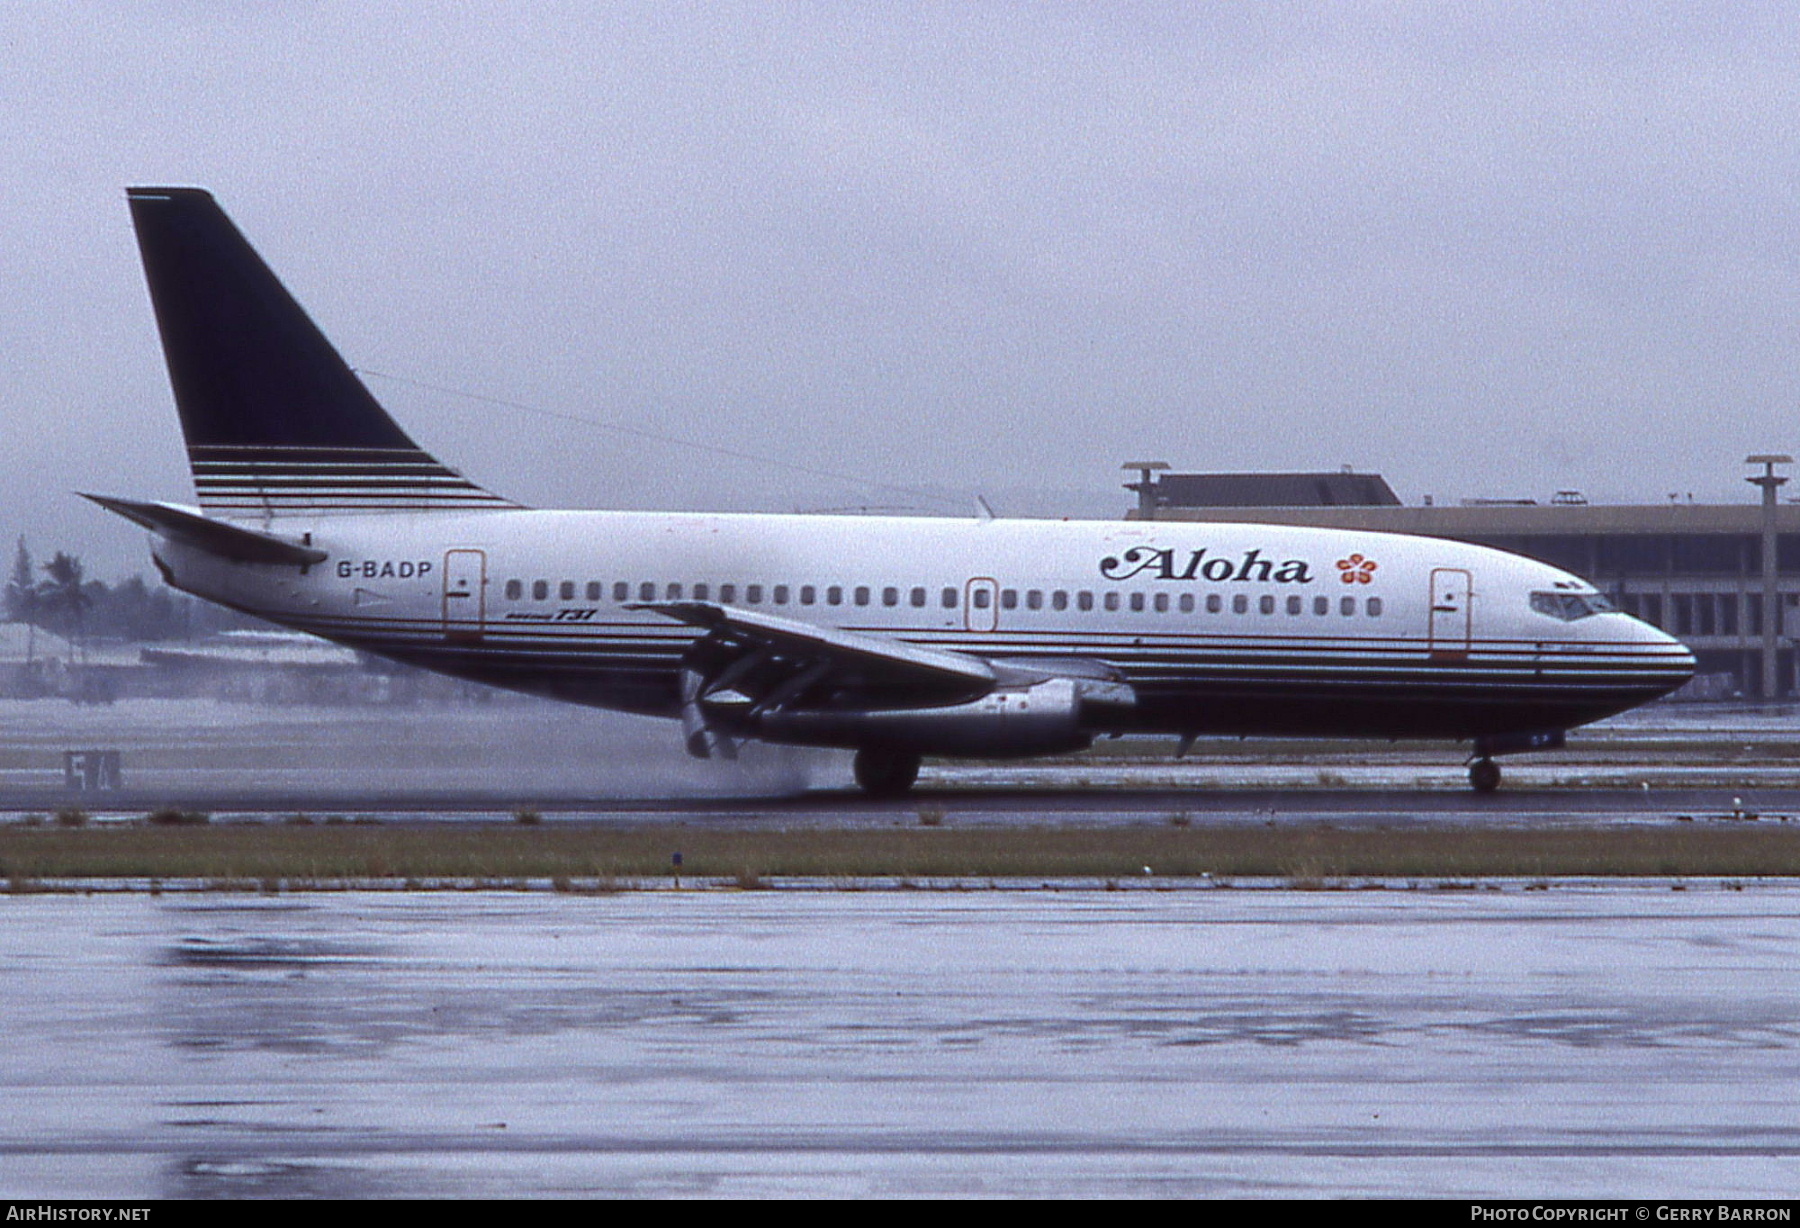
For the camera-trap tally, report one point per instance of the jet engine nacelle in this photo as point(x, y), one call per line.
point(1034, 720)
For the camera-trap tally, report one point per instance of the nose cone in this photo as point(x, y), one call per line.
point(1664, 662)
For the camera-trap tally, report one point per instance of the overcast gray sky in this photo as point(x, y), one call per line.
point(1485, 249)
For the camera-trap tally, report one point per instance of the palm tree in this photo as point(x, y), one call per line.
point(22, 599)
point(65, 592)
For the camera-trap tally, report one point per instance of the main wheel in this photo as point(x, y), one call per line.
point(1484, 775)
point(886, 773)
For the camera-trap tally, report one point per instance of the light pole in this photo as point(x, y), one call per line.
point(1770, 482)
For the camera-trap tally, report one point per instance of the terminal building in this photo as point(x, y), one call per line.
point(1695, 570)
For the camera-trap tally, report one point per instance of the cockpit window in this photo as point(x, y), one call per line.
point(1570, 606)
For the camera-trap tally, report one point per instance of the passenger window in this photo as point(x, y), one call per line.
point(646, 591)
point(1009, 598)
point(1294, 604)
point(727, 594)
point(1161, 603)
point(753, 594)
point(1321, 605)
point(1111, 601)
point(1187, 603)
point(917, 597)
point(594, 589)
point(1240, 604)
point(1034, 600)
point(891, 596)
point(1346, 606)
point(781, 594)
point(1214, 603)
point(1085, 599)
point(1059, 600)
point(515, 589)
point(808, 594)
point(674, 592)
point(1266, 604)
point(1374, 606)
point(862, 595)
point(980, 598)
point(567, 590)
point(700, 591)
point(540, 590)
point(949, 599)
point(834, 595)
point(1137, 602)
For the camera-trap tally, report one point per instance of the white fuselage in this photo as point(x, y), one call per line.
point(1218, 628)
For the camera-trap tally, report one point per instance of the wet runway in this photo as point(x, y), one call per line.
point(491, 759)
point(1584, 1040)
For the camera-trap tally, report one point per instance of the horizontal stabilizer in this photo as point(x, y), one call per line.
point(229, 541)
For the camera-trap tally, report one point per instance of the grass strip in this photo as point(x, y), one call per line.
point(1301, 852)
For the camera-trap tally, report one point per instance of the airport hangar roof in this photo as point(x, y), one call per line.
point(1507, 519)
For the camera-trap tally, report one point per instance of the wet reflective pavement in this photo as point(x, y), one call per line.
point(1581, 1040)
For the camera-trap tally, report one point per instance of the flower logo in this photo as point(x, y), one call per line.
point(1356, 569)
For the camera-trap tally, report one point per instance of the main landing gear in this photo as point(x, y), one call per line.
point(1484, 775)
point(886, 773)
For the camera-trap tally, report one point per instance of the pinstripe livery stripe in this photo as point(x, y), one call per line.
point(1169, 666)
point(265, 480)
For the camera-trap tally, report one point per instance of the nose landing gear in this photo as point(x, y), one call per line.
point(1484, 773)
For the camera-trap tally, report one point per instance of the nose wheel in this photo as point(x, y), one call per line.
point(1484, 775)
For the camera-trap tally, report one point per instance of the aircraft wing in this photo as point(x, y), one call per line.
point(749, 656)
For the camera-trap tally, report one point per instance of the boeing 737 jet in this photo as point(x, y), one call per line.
point(895, 637)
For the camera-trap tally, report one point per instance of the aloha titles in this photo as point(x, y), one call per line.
point(1251, 568)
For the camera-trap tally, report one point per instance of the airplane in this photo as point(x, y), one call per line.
point(894, 637)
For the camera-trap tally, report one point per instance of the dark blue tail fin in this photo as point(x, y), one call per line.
point(276, 422)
